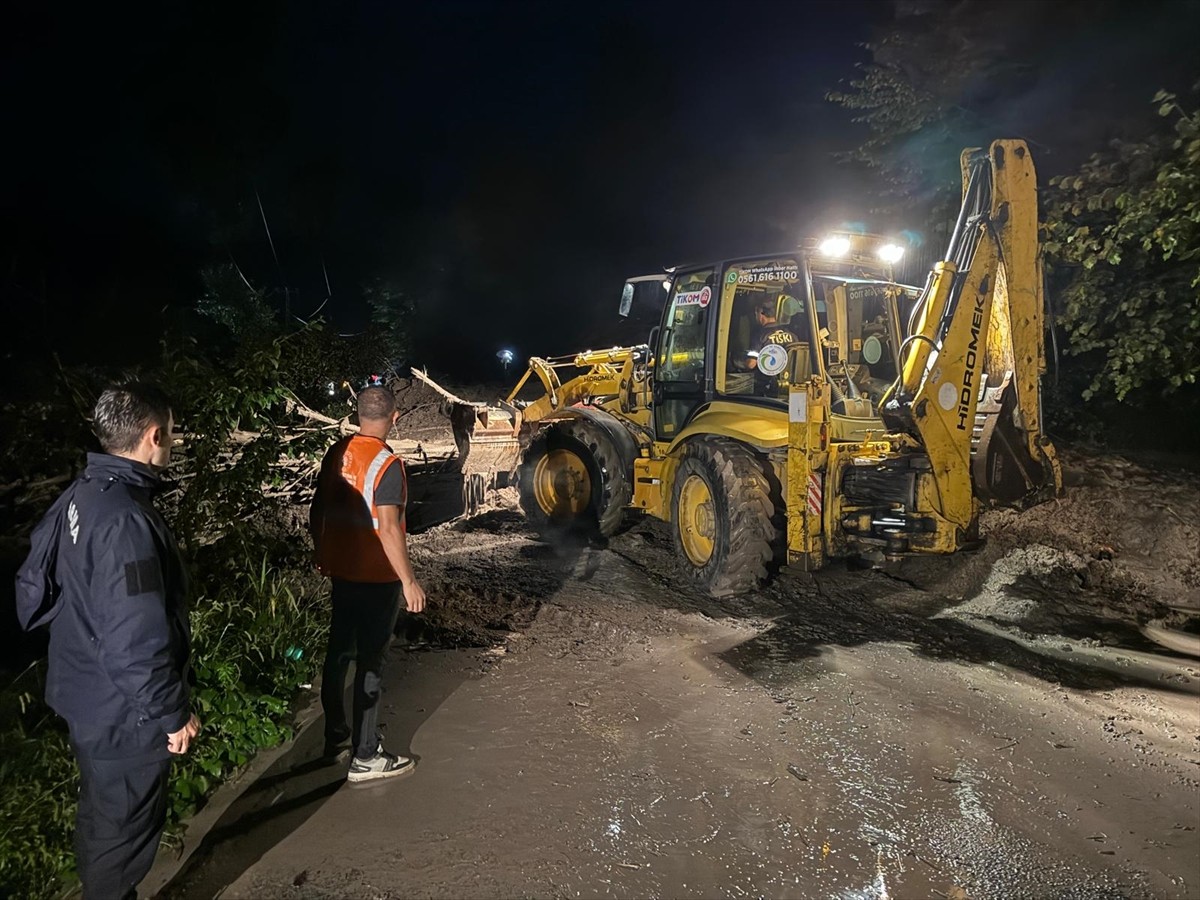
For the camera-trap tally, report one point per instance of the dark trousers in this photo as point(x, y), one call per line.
point(122, 811)
point(364, 616)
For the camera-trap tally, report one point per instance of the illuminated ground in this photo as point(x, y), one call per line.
point(993, 726)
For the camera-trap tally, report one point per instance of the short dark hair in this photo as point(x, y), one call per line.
point(376, 404)
point(124, 412)
point(766, 307)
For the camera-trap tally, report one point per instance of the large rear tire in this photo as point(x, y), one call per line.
point(572, 477)
point(723, 516)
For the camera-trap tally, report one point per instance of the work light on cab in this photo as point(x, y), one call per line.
point(835, 245)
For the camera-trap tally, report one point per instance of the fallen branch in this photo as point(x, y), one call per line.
point(418, 373)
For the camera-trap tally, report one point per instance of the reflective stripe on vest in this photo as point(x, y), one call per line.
point(377, 464)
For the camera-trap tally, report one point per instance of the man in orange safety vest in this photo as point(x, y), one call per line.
point(357, 523)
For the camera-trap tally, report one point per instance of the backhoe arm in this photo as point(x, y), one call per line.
point(970, 380)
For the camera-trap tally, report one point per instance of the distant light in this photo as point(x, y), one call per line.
point(332, 389)
point(835, 246)
point(666, 284)
point(891, 253)
point(505, 356)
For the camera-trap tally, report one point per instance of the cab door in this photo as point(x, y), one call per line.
point(681, 369)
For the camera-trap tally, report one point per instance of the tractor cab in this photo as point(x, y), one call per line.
point(746, 330)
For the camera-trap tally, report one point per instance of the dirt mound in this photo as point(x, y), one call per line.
point(423, 416)
point(1130, 527)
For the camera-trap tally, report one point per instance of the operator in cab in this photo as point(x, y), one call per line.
point(770, 331)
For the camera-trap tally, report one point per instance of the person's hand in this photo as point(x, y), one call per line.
point(414, 596)
point(179, 741)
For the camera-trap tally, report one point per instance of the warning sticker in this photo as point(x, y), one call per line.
point(798, 406)
point(947, 395)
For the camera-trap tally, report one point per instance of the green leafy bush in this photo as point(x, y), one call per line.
point(1123, 236)
point(38, 786)
point(258, 612)
point(257, 639)
point(246, 680)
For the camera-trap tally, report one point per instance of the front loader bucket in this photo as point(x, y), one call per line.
point(487, 438)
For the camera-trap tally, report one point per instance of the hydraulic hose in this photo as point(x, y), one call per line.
point(964, 241)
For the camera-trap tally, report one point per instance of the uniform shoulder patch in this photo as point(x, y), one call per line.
point(143, 577)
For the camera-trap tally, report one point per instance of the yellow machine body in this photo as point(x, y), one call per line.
point(875, 421)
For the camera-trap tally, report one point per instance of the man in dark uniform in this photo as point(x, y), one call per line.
point(119, 645)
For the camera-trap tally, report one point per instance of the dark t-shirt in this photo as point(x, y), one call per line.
point(774, 333)
point(392, 490)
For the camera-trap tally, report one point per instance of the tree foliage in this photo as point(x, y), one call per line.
point(230, 300)
point(307, 358)
point(924, 96)
point(1120, 225)
point(1123, 236)
point(392, 309)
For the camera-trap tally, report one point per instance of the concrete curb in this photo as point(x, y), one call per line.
point(171, 861)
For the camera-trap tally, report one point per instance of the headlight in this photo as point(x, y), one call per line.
point(835, 246)
point(891, 253)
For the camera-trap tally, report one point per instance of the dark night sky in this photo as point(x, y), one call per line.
point(509, 162)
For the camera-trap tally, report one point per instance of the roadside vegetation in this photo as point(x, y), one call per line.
point(235, 499)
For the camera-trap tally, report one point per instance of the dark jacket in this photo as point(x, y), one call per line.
point(120, 645)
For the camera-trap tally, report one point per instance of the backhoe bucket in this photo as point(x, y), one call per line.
point(487, 438)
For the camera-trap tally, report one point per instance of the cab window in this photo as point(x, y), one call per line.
point(685, 328)
point(857, 335)
point(764, 311)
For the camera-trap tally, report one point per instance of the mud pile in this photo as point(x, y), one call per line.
point(423, 416)
point(1131, 528)
point(1117, 554)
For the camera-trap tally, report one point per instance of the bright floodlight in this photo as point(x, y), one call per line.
point(835, 246)
point(891, 253)
point(666, 284)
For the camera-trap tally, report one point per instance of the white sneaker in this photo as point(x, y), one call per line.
point(381, 765)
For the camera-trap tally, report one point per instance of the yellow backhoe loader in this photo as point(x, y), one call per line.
point(798, 406)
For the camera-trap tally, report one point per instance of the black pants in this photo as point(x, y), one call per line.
point(363, 618)
point(122, 811)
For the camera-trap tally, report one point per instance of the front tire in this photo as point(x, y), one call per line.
point(723, 515)
point(572, 477)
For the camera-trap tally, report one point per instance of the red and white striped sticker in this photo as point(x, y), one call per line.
point(814, 494)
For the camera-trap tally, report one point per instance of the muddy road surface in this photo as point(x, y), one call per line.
point(588, 724)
